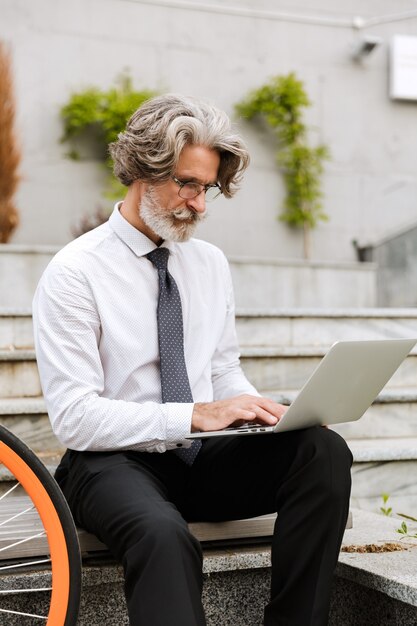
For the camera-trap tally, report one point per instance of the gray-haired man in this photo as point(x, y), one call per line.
point(134, 354)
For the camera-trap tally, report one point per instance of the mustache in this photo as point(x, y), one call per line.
point(187, 215)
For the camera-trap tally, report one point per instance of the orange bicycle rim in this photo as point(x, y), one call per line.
point(55, 535)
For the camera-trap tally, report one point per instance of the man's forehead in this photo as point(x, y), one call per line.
point(198, 164)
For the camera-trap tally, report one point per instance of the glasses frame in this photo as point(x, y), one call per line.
point(202, 187)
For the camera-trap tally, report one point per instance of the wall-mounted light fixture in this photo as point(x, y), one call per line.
point(364, 46)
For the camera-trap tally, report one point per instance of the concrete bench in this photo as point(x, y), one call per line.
point(230, 569)
point(369, 588)
point(376, 576)
point(29, 524)
point(103, 598)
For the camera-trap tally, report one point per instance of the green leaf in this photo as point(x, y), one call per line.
point(280, 103)
point(98, 116)
point(413, 519)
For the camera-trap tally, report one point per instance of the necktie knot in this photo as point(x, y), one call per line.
point(159, 258)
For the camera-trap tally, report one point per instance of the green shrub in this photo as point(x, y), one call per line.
point(280, 104)
point(99, 116)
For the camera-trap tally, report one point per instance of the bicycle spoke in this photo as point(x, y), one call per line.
point(33, 590)
point(10, 490)
point(29, 563)
point(23, 614)
point(16, 543)
point(6, 521)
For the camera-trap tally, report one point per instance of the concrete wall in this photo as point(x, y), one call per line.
point(198, 48)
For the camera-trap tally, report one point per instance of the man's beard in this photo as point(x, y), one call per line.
point(169, 225)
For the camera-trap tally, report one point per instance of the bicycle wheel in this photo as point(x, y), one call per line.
point(42, 497)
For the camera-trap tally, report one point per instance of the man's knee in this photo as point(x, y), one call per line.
point(163, 536)
point(327, 459)
point(326, 443)
point(338, 450)
point(336, 459)
point(164, 529)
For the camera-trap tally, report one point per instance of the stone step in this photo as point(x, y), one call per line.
point(27, 419)
point(385, 466)
point(19, 375)
point(273, 282)
point(315, 327)
point(269, 327)
point(27, 262)
point(236, 583)
point(268, 368)
point(16, 330)
point(49, 458)
point(295, 283)
point(368, 589)
point(393, 414)
point(30, 523)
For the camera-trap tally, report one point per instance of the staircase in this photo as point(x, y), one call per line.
point(279, 350)
point(274, 282)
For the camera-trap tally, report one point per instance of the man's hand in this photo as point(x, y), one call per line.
point(223, 413)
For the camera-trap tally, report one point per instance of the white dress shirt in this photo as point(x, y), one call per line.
point(96, 339)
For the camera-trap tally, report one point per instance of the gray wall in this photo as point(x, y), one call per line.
point(370, 184)
point(396, 262)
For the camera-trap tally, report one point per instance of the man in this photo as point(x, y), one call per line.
point(134, 355)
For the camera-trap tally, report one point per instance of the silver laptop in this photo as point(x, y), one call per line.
point(341, 388)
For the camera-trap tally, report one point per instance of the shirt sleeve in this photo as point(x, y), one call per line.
point(228, 378)
point(67, 335)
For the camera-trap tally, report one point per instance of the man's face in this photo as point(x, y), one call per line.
point(164, 212)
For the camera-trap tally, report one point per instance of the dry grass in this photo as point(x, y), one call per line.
point(9, 151)
point(373, 547)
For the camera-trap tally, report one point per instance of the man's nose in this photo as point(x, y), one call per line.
point(198, 204)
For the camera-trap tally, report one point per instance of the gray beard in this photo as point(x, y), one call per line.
point(174, 226)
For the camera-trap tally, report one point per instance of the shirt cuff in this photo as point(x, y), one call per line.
point(178, 420)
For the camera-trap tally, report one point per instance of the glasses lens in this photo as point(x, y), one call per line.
point(190, 190)
point(212, 193)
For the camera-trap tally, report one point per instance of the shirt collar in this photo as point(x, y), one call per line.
point(139, 243)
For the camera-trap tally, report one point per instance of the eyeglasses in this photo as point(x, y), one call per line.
point(189, 190)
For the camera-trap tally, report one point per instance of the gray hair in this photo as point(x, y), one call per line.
point(158, 131)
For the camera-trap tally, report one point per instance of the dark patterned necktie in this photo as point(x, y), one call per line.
point(175, 385)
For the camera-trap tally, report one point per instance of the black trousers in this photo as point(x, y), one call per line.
point(138, 504)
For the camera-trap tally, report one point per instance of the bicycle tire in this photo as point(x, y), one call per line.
point(58, 523)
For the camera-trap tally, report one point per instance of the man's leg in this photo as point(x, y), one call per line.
point(127, 503)
point(305, 477)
